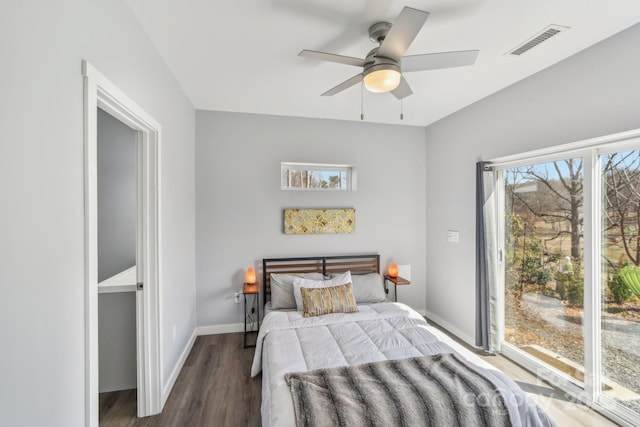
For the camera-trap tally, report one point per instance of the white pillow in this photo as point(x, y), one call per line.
point(368, 288)
point(298, 282)
point(282, 288)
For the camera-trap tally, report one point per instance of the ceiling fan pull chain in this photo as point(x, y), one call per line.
point(401, 109)
point(362, 101)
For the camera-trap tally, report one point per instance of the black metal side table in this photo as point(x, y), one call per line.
point(396, 281)
point(251, 311)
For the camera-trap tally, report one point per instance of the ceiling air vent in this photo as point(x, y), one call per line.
point(534, 41)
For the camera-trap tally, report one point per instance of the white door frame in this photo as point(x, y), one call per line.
point(99, 92)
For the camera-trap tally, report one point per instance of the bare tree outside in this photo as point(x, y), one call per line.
point(621, 182)
point(306, 178)
point(557, 199)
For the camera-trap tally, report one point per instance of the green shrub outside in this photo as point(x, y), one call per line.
point(570, 287)
point(620, 292)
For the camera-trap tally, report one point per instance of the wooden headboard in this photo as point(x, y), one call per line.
point(357, 264)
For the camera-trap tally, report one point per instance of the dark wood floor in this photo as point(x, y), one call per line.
point(214, 388)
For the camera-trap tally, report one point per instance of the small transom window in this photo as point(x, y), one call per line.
point(316, 176)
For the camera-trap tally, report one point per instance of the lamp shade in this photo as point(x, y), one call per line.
point(384, 79)
point(250, 276)
point(393, 270)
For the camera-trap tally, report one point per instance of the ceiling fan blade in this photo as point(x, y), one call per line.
point(403, 90)
point(340, 59)
point(402, 33)
point(433, 61)
point(344, 85)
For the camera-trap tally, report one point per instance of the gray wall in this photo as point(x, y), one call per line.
point(591, 94)
point(116, 196)
point(117, 347)
point(42, 325)
point(239, 203)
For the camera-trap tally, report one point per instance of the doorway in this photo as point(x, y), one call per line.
point(117, 265)
point(101, 94)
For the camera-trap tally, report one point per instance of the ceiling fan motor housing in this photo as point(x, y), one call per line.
point(373, 62)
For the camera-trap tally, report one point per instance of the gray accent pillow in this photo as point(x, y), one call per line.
point(367, 288)
point(282, 288)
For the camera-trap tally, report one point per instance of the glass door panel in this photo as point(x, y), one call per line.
point(544, 284)
point(620, 306)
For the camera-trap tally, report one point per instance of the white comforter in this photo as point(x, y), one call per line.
point(288, 342)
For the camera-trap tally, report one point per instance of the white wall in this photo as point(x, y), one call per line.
point(591, 94)
point(239, 204)
point(42, 45)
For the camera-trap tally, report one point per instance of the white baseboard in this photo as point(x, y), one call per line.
point(220, 329)
point(168, 386)
point(450, 328)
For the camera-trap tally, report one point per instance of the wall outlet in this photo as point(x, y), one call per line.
point(237, 298)
point(453, 236)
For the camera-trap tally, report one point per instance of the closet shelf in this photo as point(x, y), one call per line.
point(125, 281)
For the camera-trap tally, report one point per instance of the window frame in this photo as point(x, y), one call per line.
point(349, 170)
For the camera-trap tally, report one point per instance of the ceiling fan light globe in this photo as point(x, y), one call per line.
point(381, 81)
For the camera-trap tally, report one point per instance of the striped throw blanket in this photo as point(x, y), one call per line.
point(438, 390)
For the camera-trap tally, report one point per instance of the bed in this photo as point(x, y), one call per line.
point(377, 364)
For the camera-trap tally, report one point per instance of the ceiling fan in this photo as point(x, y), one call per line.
point(384, 65)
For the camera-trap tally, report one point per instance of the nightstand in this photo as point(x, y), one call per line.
point(396, 281)
point(252, 312)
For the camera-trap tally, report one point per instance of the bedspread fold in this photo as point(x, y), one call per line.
point(434, 391)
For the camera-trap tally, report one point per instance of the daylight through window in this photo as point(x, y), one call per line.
point(314, 176)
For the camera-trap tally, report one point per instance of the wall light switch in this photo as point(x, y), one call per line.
point(453, 236)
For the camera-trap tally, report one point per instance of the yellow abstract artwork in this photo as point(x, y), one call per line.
point(319, 221)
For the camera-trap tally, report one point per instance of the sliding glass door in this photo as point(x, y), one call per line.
point(620, 307)
point(543, 269)
point(570, 271)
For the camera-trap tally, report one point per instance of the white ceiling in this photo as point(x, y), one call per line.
point(241, 55)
